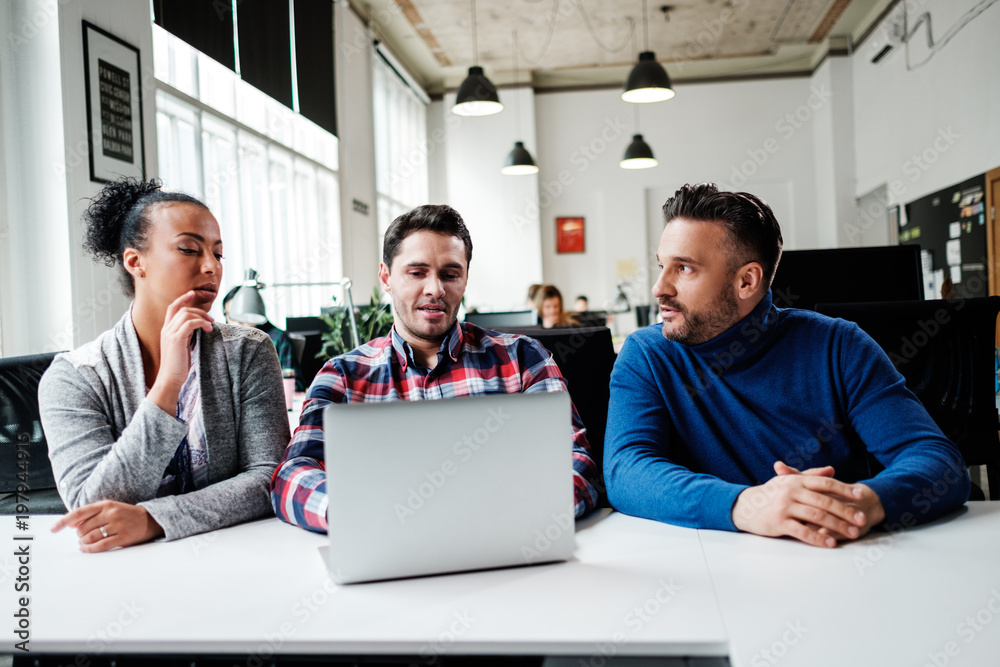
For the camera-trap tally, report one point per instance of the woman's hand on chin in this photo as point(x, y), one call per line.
point(179, 324)
point(107, 524)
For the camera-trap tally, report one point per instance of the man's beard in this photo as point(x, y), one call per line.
point(705, 325)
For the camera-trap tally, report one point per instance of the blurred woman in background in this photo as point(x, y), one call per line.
point(550, 308)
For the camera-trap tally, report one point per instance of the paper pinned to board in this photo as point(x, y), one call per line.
point(956, 274)
point(954, 252)
point(933, 285)
point(954, 230)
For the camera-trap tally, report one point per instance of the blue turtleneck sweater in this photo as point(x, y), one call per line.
point(690, 427)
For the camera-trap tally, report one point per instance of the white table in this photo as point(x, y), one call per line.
point(889, 599)
point(635, 588)
point(263, 587)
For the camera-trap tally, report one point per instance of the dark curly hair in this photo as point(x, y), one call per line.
point(751, 227)
point(118, 218)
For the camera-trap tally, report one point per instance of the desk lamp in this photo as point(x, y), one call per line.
point(247, 306)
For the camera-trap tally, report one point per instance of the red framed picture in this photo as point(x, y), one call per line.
point(570, 235)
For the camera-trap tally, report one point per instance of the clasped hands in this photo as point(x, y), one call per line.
point(808, 505)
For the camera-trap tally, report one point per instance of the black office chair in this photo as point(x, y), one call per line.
point(585, 357)
point(945, 350)
point(24, 454)
point(891, 273)
point(308, 333)
point(298, 342)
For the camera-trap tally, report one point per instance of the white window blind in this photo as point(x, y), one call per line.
point(268, 174)
point(400, 145)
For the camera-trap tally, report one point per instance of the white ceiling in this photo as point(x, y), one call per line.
point(575, 43)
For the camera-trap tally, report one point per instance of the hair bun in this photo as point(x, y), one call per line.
point(109, 214)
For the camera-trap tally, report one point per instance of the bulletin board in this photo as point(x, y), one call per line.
point(950, 226)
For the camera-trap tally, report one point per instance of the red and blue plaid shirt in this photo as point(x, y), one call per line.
point(471, 362)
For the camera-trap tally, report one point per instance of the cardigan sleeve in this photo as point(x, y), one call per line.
point(261, 435)
point(89, 464)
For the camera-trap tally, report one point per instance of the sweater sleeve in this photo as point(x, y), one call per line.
point(925, 475)
point(640, 476)
point(89, 464)
point(261, 437)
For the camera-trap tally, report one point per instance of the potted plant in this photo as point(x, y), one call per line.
point(374, 321)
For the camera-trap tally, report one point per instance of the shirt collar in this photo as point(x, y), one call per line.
point(451, 345)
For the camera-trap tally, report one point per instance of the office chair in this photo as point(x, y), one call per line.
point(945, 350)
point(307, 332)
point(879, 273)
point(24, 454)
point(585, 357)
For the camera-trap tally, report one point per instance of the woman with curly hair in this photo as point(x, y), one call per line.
point(169, 424)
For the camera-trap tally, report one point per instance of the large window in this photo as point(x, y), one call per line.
point(400, 143)
point(268, 174)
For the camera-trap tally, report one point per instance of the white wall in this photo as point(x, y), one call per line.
point(98, 302)
point(52, 296)
point(922, 130)
point(833, 136)
point(500, 211)
point(356, 130)
point(742, 135)
point(438, 120)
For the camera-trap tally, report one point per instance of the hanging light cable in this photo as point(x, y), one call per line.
point(519, 161)
point(648, 81)
point(477, 96)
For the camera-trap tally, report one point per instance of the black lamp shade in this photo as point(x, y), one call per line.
point(638, 155)
point(519, 161)
point(477, 96)
point(648, 81)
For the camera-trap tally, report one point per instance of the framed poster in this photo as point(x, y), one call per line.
point(114, 106)
point(570, 234)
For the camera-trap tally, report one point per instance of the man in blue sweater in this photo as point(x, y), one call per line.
point(738, 415)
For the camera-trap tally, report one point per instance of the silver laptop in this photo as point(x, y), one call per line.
point(426, 487)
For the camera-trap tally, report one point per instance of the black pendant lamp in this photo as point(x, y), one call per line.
point(648, 81)
point(638, 155)
point(477, 96)
point(519, 161)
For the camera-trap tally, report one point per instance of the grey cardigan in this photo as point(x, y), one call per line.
point(107, 442)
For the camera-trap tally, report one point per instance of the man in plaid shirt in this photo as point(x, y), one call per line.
point(427, 355)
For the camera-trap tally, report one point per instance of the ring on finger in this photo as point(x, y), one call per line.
point(104, 531)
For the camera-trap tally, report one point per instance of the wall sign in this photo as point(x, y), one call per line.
point(114, 106)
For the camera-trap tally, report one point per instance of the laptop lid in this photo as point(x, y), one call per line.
point(426, 487)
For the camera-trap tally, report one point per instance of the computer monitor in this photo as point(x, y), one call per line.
point(592, 318)
point(848, 275)
point(511, 318)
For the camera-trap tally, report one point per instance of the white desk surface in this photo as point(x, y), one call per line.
point(888, 599)
point(263, 587)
